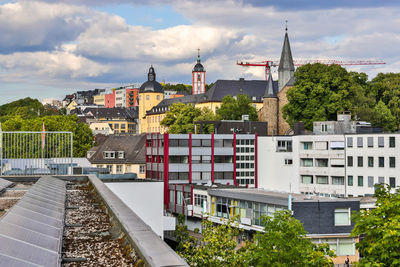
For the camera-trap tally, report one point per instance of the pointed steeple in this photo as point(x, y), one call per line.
point(286, 66)
point(270, 92)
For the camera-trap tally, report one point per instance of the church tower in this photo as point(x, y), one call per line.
point(151, 93)
point(199, 77)
point(269, 111)
point(286, 66)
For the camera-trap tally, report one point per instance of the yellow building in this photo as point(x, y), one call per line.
point(212, 99)
point(99, 100)
point(151, 93)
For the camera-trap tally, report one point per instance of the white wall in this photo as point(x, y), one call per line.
point(145, 199)
point(273, 173)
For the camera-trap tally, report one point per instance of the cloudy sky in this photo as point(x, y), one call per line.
point(51, 48)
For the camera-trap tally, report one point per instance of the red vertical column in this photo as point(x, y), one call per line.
point(190, 158)
point(166, 176)
point(212, 158)
point(145, 168)
point(234, 159)
point(191, 196)
point(255, 161)
point(151, 164)
point(176, 195)
point(184, 200)
point(158, 156)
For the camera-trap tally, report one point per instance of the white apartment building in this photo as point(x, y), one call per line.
point(328, 165)
point(120, 97)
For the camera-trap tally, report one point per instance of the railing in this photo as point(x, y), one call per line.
point(36, 153)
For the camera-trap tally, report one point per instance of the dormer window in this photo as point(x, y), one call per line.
point(109, 154)
point(121, 154)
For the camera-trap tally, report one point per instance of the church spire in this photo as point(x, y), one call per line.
point(286, 66)
point(270, 92)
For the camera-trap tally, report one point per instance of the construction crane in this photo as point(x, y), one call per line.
point(271, 63)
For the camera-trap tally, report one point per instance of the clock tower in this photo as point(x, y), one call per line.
point(199, 77)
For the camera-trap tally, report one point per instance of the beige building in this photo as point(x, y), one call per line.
point(121, 154)
point(99, 100)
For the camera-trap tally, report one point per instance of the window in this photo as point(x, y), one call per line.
point(142, 168)
point(381, 180)
point(392, 162)
point(337, 145)
point(381, 162)
point(322, 162)
point(370, 181)
point(147, 97)
point(205, 159)
point(342, 216)
point(360, 181)
point(324, 127)
point(109, 154)
point(110, 167)
point(381, 141)
point(359, 142)
point(228, 143)
point(359, 161)
point(158, 97)
point(121, 154)
point(306, 179)
point(119, 168)
point(392, 141)
point(200, 200)
point(370, 161)
point(218, 143)
point(307, 145)
point(322, 179)
point(350, 180)
point(306, 162)
point(349, 141)
point(370, 141)
point(392, 182)
point(284, 146)
point(349, 161)
point(183, 143)
point(206, 142)
point(196, 159)
point(288, 161)
point(338, 180)
point(99, 166)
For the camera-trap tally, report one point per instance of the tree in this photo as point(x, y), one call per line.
point(180, 118)
point(284, 243)
point(379, 228)
point(385, 87)
point(321, 91)
point(233, 109)
point(217, 246)
point(178, 87)
point(382, 117)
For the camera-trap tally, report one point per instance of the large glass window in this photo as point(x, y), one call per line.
point(306, 162)
point(392, 182)
point(322, 179)
point(200, 200)
point(306, 179)
point(360, 161)
point(392, 141)
point(370, 161)
point(338, 180)
point(322, 162)
point(381, 162)
point(392, 162)
point(342, 216)
point(307, 145)
point(360, 181)
point(218, 143)
point(350, 180)
point(349, 161)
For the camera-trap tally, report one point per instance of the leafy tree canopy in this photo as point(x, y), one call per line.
point(233, 109)
point(26, 108)
point(380, 230)
point(82, 134)
point(178, 87)
point(320, 92)
point(180, 118)
point(284, 243)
